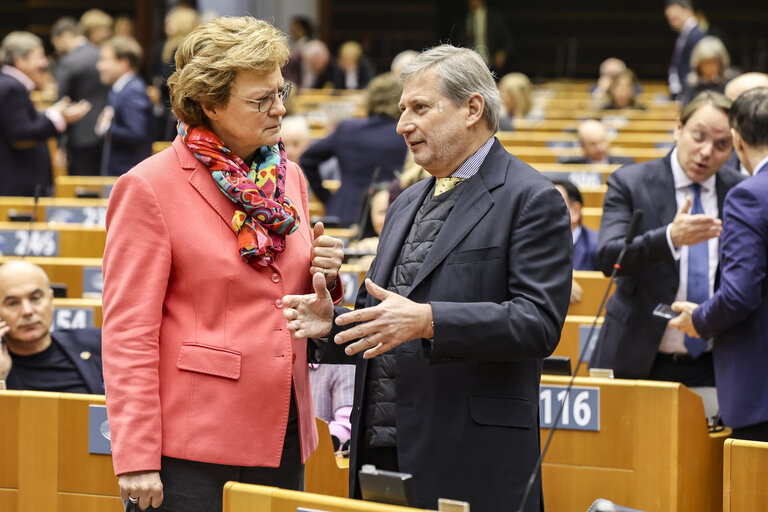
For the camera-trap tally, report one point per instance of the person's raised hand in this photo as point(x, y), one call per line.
point(327, 255)
point(310, 316)
point(690, 229)
point(388, 324)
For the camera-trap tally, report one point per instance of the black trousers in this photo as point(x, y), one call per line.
point(756, 432)
point(685, 369)
point(190, 486)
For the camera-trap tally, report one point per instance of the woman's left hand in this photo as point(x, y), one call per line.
point(327, 254)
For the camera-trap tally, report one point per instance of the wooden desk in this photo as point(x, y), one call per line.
point(591, 217)
point(745, 473)
point(69, 271)
point(46, 464)
point(560, 125)
point(536, 155)
point(34, 239)
point(544, 138)
point(653, 451)
point(251, 498)
point(593, 284)
point(92, 211)
point(569, 340)
point(92, 304)
point(69, 186)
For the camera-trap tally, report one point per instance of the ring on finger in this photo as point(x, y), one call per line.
point(133, 500)
point(325, 273)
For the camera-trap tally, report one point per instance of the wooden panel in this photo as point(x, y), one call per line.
point(653, 451)
point(9, 442)
point(593, 285)
point(68, 271)
point(89, 503)
point(80, 471)
point(38, 441)
point(745, 475)
point(9, 499)
point(248, 498)
point(326, 474)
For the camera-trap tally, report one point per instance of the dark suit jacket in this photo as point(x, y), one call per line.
point(75, 342)
point(365, 73)
point(129, 139)
point(737, 314)
point(360, 145)
point(612, 160)
point(498, 278)
point(78, 78)
point(630, 336)
point(24, 157)
point(682, 61)
point(585, 250)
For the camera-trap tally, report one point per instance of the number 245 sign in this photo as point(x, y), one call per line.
point(581, 408)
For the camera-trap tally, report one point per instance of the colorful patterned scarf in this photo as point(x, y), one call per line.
point(268, 214)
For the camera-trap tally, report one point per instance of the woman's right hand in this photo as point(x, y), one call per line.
point(310, 316)
point(142, 485)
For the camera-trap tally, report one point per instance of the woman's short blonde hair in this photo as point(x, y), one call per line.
point(94, 19)
point(383, 96)
point(179, 22)
point(209, 60)
point(519, 87)
point(710, 48)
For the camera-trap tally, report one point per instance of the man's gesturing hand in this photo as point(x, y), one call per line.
point(690, 229)
point(384, 326)
point(310, 316)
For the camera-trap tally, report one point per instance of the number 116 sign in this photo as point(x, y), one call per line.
point(581, 408)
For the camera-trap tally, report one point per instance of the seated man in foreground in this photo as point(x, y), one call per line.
point(33, 357)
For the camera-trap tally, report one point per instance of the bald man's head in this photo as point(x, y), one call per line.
point(744, 83)
point(593, 138)
point(26, 305)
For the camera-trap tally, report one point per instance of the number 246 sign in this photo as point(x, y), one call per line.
point(581, 408)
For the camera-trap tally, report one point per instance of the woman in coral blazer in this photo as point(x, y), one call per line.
point(204, 383)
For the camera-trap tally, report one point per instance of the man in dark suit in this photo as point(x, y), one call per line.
point(26, 162)
point(737, 314)
point(33, 357)
point(78, 78)
point(594, 142)
point(674, 256)
point(467, 294)
point(682, 20)
point(125, 121)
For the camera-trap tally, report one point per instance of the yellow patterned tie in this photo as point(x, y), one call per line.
point(446, 184)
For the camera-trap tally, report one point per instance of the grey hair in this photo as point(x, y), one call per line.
point(17, 45)
point(461, 73)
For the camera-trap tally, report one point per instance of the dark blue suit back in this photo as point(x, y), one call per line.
point(129, 135)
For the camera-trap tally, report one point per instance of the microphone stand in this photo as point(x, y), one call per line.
point(637, 215)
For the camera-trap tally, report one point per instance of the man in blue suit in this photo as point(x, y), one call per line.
point(584, 239)
point(682, 20)
point(737, 314)
point(467, 294)
point(125, 121)
point(32, 357)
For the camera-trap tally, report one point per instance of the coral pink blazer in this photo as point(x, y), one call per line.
point(198, 363)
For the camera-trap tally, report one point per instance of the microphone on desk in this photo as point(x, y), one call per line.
point(33, 219)
point(634, 225)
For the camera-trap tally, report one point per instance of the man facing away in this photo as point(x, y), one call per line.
point(737, 314)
